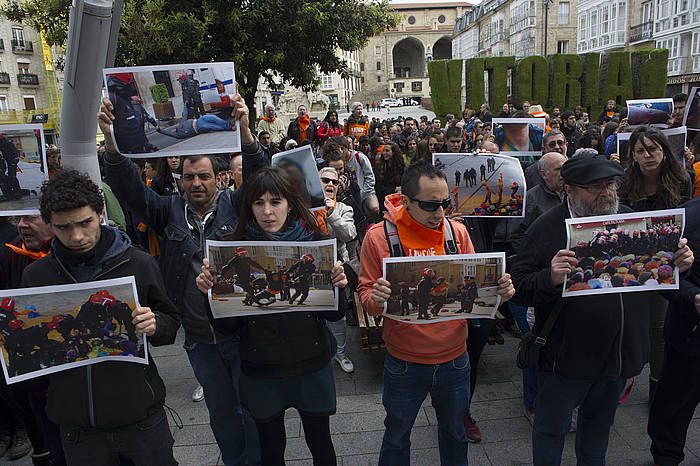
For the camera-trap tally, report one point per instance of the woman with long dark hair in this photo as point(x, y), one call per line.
point(388, 169)
point(655, 180)
point(285, 357)
point(329, 127)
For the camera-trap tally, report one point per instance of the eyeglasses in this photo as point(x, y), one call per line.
point(432, 206)
point(556, 142)
point(329, 180)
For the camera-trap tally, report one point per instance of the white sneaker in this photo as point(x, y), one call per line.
point(198, 394)
point(345, 363)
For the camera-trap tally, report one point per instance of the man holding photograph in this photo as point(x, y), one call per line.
point(597, 341)
point(420, 359)
point(184, 223)
point(113, 409)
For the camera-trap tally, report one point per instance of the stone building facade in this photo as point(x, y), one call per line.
point(518, 28)
point(394, 64)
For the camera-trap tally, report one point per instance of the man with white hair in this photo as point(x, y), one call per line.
point(273, 125)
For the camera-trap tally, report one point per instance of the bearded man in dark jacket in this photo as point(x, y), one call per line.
point(598, 340)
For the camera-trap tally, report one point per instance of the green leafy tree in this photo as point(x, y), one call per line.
point(290, 38)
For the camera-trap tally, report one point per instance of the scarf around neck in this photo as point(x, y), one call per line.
point(297, 231)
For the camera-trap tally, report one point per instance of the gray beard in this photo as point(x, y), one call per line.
point(597, 207)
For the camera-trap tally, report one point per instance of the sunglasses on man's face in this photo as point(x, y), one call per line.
point(432, 206)
point(325, 180)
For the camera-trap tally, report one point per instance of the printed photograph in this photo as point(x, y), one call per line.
point(23, 169)
point(625, 252)
point(483, 185)
point(691, 117)
point(519, 137)
point(676, 137)
point(169, 110)
point(655, 112)
point(438, 288)
point(49, 329)
point(301, 163)
point(266, 277)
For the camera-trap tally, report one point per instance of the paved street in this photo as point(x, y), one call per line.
point(358, 425)
point(415, 112)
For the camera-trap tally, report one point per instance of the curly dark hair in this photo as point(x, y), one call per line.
point(69, 190)
point(673, 182)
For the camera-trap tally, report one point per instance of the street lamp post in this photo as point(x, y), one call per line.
point(546, 4)
point(92, 37)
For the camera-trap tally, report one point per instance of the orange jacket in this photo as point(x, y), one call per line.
point(423, 344)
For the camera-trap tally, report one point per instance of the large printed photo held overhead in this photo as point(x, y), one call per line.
point(23, 169)
point(173, 110)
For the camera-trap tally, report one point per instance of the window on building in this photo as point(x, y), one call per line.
point(646, 11)
point(604, 20)
point(695, 52)
point(563, 46)
point(417, 86)
point(379, 66)
point(3, 103)
point(441, 19)
point(23, 68)
point(29, 102)
point(362, 66)
point(327, 82)
point(362, 79)
point(411, 20)
point(379, 79)
point(564, 11)
point(378, 50)
point(399, 87)
point(18, 36)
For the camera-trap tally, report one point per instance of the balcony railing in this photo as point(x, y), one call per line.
point(22, 46)
point(27, 79)
point(4, 79)
point(642, 32)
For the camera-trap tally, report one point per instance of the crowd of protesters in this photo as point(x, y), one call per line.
point(378, 177)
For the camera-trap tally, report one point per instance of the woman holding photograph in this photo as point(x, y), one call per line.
point(286, 357)
point(655, 180)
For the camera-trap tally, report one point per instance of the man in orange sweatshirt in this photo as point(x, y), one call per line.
point(427, 358)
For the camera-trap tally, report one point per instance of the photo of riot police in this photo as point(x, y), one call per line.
point(169, 110)
point(301, 163)
point(519, 137)
point(23, 168)
point(267, 277)
point(483, 185)
point(54, 328)
point(437, 288)
point(625, 252)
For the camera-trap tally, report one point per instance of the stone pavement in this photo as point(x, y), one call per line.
point(358, 425)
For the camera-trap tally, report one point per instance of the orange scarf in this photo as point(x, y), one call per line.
point(23, 251)
point(269, 120)
point(418, 240)
point(321, 218)
point(303, 125)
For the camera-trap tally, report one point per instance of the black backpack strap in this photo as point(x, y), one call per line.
point(449, 234)
point(392, 239)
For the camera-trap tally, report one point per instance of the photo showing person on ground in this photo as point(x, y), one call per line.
point(173, 109)
point(22, 162)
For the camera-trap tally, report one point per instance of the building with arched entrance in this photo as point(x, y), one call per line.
point(395, 63)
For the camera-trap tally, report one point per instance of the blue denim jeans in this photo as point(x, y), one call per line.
point(557, 397)
point(529, 375)
point(406, 385)
point(210, 123)
point(218, 369)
